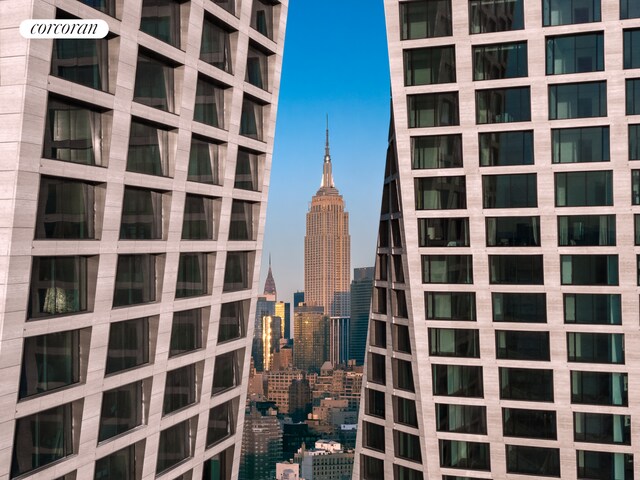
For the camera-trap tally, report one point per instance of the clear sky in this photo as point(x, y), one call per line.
point(335, 63)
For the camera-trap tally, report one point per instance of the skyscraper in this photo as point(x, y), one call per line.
point(261, 444)
point(311, 342)
point(136, 169)
point(504, 331)
point(327, 247)
point(361, 289)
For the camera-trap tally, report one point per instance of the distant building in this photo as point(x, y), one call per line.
point(271, 335)
point(283, 310)
point(339, 340)
point(265, 307)
point(270, 290)
point(294, 435)
point(283, 359)
point(287, 471)
point(261, 444)
point(298, 298)
point(361, 288)
point(299, 400)
point(278, 386)
point(311, 344)
point(327, 461)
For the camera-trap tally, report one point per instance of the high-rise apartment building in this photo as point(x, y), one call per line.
point(504, 331)
point(261, 444)
point(327, 247)
point(361, 289)
point(312, 338)
point(135, 170)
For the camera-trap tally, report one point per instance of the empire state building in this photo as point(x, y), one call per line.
point(327, 247)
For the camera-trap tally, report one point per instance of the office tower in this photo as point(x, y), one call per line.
point(298, 298)
point(271, 335)
point(504, 332)
point(283, 310)
point(261, 444)
point(361, 288)
point(264, 308)
point(339, 340)
point(136, 173)
point(311, 343)
point(327, 247)
point(327, 461)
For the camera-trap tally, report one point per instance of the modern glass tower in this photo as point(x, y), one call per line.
point(504, 333)
point(135, 173)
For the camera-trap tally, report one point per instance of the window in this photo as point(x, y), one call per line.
point(407, 446)
point(66, 209)
point(373, 436)
point(522, 345)
point(573, 145)
point(602, 428)
point(51, 361)
point(587, 230)
point(194, 274)
point(595, 347)
point(565, 12)
point(519, 307)
point(74, 133)
point(209, 107)
point(186, 331)
point(637, 229)
point(257, 68)
point(161, 19)
point(251, 121)
point(452, 342)
point(222, 423)
point(461, 419)
point(215, 48)
point(219, 466)
point(516, 270)
point(204, 163)
point(499, 149)
point(149, 149)
point(447, 269)
point(125, 463)
point(227, 372)
point(589, 269)
point(229, 6)
point(584, 189)
point(141, 214)
point(495, 15)
point(374, 403)
point(575, 53)
point(502, 60)
point(465, 455)
point(128, 345)
point(634, 142)
point(443, 232)
point(597, 465)
point(59, 285)
point(450, 306)
point(631, 48)
point(457, 381)
point(377, 368)
point(436, 151)
point(502, 105)
point(154, 83)
point(402, 375)
point(176, 444)
point(372, 468)
point(509, 191)
point(404, 411)
point(180, 389)
point(433, 110)
point(44, 438)
point(106, 6)
point(578, 100)
point(526, 384)
point(440, 193)
point(533, 460)
point(378, 337)
point(233, 320)
point(513, 231)
point(425, 19)
point(243, 215)
point(629, 9)
point(135, 280)
point(238, 269)
point(599, 388)
point(633, 96)
point(84, 61)
point(121, 410)
point(426, 66)
point(199, 220)
point(262, 17)
point(249, 171)
point(635, 187)
point(517, 422)
point(592, 308)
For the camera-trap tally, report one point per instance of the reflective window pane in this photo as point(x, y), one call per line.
point(498, 149)
point(503, 105)
point(450, 306)
point(128, 345)
point(436, 151)
point(519, 307)
point(121, 410)
point(565, 12)
point(66, 209)
point(440, 193)
point(487, 16)
point(575, 53)
point(502, 60)
point(574, 145)
point(426, 66)
point(587, 230)
point(58, 286)
point(577, 100)
point(425, 19)
point(513, 231)
point(526, 384)
point(443, 232)
point(433, 110)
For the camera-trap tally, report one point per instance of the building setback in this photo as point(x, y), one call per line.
point(504, 330)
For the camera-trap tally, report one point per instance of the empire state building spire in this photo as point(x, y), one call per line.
point(327, 177)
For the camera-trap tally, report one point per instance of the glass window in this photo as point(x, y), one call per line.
point(186, 331)
point(526, 460)
point(599, 388)
point(457, 381)
point(125, 463)
point(149, 149)
point(43, 438)
point(461, 419)
point(49, 362)
point(576, 145)
point(487, 16)
point(592, 308)
point(517, 422)
point(440, 193)
point(587, 230)
point(589, 269)
point(447, 269)
point(450, 306)
point(84, 61)
point(637, 229)
point(404, 411)
point(436, 151)
point(443, 232)
point(373, 436)
point(406, 473)
point(401, 338)
point(407, 446)
point(631, 48)
point(433, 110)
point(466, 455)
point(426, 66)
point(66, 209)
point(584, 189)
point(215, 48)
point(634, 142)
point(222, 423)
point(597, 465)
point(248, 171)
point(510, 191)
point(262, 17)
point(229, 6)
point(128, 345)
point(501, 60)
point(513, 231)
point(502, 105)
point(521, 345)
point(519, 307)
point(121, 410)
point(402, 375)
point(633, 96)
point(199, 219)
point(372, 468)
point(204, 162)
point(141, 214)
point(565, 12)
point(526, 384)
point(602, 428)
point(193, 274)
point(135, 280)
point(227, 372)
point(454, 342)
point(251, 121)
point(106, 6)
point(635, 187)
point(516, 270)
point(575, 53)
point(179, 389)
point(374, 403)
point(209, 107)
point(425, 19)
point(58, 286)
point(595, 347)
point(499, 149)
point(233, 320)
point(577, 100)
point(161, 19)
point(257, 68)
point(377, 368)
point(154, 83)
point(238, 269)
point(378, 337)
point(629, 9)
point(175, 445)
point(219, 466)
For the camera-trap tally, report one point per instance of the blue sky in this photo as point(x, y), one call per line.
point(335, 63)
